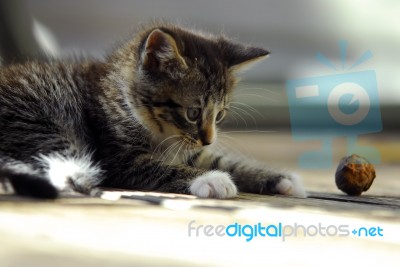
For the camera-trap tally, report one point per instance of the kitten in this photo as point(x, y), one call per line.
point(144, 119)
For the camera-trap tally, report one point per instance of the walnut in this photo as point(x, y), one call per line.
point(354, 175)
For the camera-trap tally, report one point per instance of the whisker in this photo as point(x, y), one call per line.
point(250, 131)
point(166, 152)
point(233, 112)
point(225, 145)
point(244, 88)
point(249, 107)
point(229, 116)
point(190, 139)
point(163, 156)
point(159, 145)
point(190, 158)
point(177, 152)
point(246, 113)
point(256, 95)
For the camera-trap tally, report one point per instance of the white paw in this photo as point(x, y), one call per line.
point(292, 186)
point(63, 171)
point(213, 184)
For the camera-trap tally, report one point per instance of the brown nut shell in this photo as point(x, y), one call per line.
point(354, 175)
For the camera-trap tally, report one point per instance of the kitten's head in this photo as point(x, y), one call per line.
point(184, 80)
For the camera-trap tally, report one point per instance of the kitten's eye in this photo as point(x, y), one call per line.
point(193, 114)
point(220, 116)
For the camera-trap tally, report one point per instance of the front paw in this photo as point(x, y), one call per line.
point(213, 184)
point(291, 184)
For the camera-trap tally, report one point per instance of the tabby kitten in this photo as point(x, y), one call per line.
point(143, 119)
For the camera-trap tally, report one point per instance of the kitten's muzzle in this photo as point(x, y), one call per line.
point(207, 136)
point(206, 142)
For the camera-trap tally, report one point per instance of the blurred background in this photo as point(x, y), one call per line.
point(294, 31)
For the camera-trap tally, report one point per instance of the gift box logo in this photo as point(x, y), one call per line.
point(337, 105)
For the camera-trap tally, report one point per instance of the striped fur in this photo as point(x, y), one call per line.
point(142, 119)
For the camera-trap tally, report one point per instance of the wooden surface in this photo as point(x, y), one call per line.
point(150, 229)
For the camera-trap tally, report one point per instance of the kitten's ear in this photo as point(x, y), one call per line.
point(238, 56)
point(161, 48)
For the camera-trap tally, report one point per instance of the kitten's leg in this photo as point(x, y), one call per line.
point(61, 161)
point(25, 178)
point(145, 173)
point(250, 176)
point(52, 141)
point(67, 171)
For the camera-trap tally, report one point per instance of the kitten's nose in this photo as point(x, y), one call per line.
point(205, 142)
point(207, 136)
